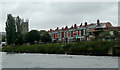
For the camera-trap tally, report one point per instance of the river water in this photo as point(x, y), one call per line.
point(28, 60)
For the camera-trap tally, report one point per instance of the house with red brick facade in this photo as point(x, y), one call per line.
point(66, 35)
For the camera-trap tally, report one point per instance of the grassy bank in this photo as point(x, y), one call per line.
point(85, 48)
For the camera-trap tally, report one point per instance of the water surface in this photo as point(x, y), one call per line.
point(28, 60)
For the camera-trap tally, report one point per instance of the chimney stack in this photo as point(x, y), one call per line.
point(57, 29)
point(50, 30)
point(81, 25)
point(62, 28)
point(98, 22)
point(85, 24)
point(72, 26)
point(66, 27)
point(75, 26)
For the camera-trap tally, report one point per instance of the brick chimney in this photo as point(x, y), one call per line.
point(57, 29)
point(50, 30)
point(75, 26)
point(62, 28)
point(81, 25)
point(66, 27)
point(72, 26)
point(98, 22)
point(85, 24)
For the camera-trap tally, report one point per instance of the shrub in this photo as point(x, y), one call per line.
point(90, 47)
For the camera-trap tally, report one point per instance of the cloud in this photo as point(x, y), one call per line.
point(46, 15)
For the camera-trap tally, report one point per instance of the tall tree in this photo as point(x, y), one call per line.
point(19, 38)
point(10, 29)
point(18, 25)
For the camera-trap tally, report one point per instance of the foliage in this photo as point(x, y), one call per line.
point(3, 39)
point(116, 33)
point(45, 37)
point(13, 30)
point(42, 48)
point(19, 36)
point(10, 29)
point(32, 36)
point(85, 48)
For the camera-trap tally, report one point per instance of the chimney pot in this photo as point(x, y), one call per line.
point(81, 25)
point(98, 22)
point(85, 24)
point(75, 26)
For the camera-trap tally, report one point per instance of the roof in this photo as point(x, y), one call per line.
point(92, 25)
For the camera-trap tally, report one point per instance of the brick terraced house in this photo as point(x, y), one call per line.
point(67, 35)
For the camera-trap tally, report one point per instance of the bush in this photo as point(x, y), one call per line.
point(85, 48)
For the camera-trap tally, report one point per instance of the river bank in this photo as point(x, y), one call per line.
point(102, 48)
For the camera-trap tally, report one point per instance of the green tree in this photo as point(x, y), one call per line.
point(19, 36)
point(10, 29)
point(45, 37)
point(25, 38)
point(18, 25)
point(32, 36)
point(3, 39)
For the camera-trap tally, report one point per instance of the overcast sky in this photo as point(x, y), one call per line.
point(46, 15)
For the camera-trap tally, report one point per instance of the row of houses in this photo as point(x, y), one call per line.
point(82, 32)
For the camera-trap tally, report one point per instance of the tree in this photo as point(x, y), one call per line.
point(25, 38)
point(13, 30)
point(19, 36)
point(45, 37)
point(3, 39)
point(18, 25)
point(10, 29)
point(32, 36)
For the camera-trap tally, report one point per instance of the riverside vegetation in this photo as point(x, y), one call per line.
point(82, 48)
point(16, 42)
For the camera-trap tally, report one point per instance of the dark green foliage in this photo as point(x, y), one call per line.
point(3, 39)
point(84, 48)
point(116, 33)
point(19, 36)
point(32, 36)
point(45, 37)
point(43, 48)
point(25, 38)
point(13, 30)
point(19, 39)
point(77, 40)
point(10, 29)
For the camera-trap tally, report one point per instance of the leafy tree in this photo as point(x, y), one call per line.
point(45, 37)
point(10, 29)
point(18, 25)
point(25, 38)
point(32, 36)
point(3, 39)
point(19, 36)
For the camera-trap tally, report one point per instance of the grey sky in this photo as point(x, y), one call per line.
point(46, 15)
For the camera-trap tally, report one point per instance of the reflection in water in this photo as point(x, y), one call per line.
point(57, 61)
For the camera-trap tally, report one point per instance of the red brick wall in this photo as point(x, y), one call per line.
point(65, 34)
point(59, 35)
point(78, 33)
point(62, 35)
point(54, 35)
point(72, 34)
point(81, 32)
point(68, 33)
